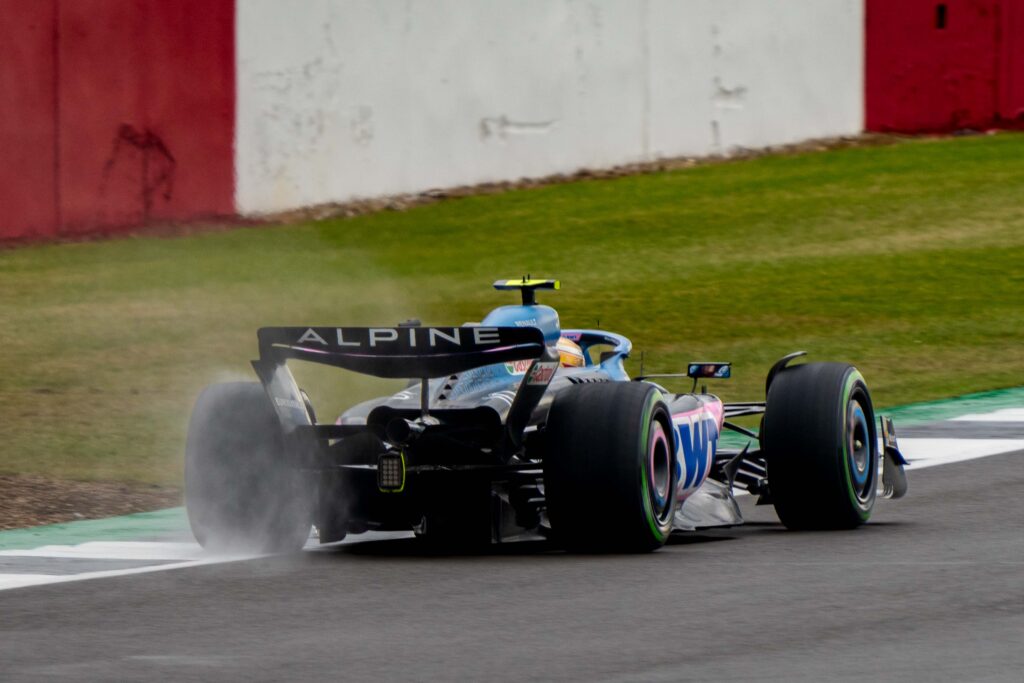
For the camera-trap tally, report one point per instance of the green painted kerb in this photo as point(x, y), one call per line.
point(934, 411)
point(126, 528)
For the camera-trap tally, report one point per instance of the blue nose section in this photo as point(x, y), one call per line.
point(536, 315)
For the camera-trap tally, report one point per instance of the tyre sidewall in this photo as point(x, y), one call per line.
point(659, 521)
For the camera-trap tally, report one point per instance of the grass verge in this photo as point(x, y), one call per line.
point(905, 259)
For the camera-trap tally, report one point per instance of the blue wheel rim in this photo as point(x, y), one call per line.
point(859, 449)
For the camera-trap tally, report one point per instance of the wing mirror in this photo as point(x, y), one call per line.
point(709, 370)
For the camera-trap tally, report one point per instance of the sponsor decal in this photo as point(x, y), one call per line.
point(289, 403)
point(430, 337)
point(310, 335)
point(381, 335)
point(518, 367)
point(477, 380)
point(698, 440)
point(531, 322)
point(541, 373)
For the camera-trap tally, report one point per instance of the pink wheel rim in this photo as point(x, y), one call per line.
point(659, 458)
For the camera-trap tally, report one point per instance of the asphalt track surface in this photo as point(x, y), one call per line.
point(932, 589)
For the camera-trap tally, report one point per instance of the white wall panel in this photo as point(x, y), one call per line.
point(339, 99)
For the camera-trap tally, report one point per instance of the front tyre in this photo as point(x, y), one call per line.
point(241, 493)
point(820, 444)
point(610, 470)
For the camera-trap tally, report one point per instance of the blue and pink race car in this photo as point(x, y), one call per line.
point(513, 427)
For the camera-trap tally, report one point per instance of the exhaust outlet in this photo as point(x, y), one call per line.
point(401, 431)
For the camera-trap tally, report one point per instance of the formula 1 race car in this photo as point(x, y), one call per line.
point(514, 426)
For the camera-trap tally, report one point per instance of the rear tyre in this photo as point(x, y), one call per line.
point(241, 493)
point(821, 447)
point(610, 470)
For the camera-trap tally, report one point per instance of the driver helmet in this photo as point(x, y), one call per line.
point(570, 354)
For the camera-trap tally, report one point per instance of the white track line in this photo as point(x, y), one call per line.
point(923, 453)
point(21, 580)
point(1004, 415)
point(189, 554)
point(121, 550)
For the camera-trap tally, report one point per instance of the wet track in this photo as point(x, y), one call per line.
point(933, 589)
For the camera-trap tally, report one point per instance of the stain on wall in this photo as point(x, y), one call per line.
point(146, 111)
point(500, 128)
point(140, 165)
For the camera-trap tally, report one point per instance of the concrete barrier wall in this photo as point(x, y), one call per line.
point(339, 99)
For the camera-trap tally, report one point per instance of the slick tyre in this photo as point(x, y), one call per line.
point(820, 444)
point(241, 493)
point(610, 469)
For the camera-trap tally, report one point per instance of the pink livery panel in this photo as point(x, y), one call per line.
point(697, 420)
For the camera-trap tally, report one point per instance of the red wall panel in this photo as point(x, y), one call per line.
point(1011, 63)
point(114, 113)
point(146, 111)
point(28, 206)
point(931, 66)
point(100, 50)
point(191, 47)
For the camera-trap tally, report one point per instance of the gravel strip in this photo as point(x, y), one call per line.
point(27, 500)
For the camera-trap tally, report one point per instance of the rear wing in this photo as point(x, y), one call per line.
point(394, 352)
point(401, 352)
